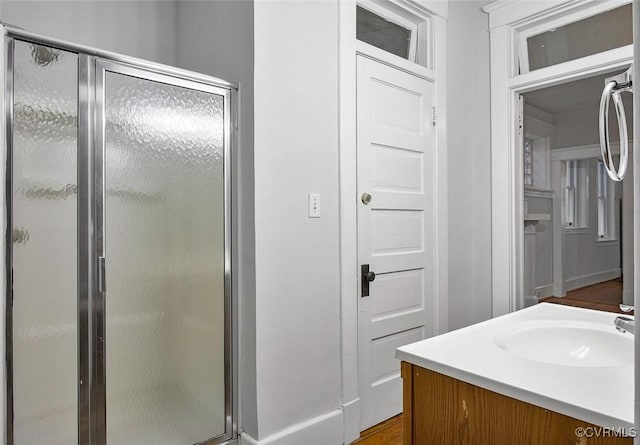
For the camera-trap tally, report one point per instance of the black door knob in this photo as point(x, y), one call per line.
point(366, 276)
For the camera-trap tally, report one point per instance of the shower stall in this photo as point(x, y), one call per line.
point(118, 249)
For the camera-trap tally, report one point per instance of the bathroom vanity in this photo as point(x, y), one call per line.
point(548, 374)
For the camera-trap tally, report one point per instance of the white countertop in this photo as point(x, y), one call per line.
point(599, 395)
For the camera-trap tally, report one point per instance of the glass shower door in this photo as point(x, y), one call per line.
point(164, 243)
point(43, 325)
point(118, 268)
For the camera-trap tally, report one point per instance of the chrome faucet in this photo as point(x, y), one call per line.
point(625, 324)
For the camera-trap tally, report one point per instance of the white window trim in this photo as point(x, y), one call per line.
point(577, 230)
point(606, 242)
point(576, 202)
point(602, 198)
point(584, 151)
point(535, 28)
point(409, 14)
point(570, 207)
point(532, 192)
point(399, 20)
point(606, 210)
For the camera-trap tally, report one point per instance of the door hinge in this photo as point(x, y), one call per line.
point(434, 116)
point(520, 124)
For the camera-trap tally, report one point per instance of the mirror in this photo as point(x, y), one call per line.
point(578, 224)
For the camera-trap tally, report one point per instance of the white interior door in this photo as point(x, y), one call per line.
point(395, 150)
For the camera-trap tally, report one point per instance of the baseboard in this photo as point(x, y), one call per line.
point(351, 414)
point(544, 291)
point(530, 300)
point(594, 278)
point(321, 430)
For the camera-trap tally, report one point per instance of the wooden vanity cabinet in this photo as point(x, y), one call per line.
point(440, 410)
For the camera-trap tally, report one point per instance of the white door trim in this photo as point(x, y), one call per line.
point(636, 207)
point(349, 273)
point(507, 20)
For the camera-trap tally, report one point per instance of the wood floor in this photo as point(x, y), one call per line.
point(605, 296)
point(388, 432)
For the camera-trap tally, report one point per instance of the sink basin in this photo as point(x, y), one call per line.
point(568, 343)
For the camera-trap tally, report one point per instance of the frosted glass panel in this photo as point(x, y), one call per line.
point(45, 246)
point(164, 248)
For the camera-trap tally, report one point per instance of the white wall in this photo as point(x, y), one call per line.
point(580, 127)
point(143, 28)
point(297, 274)
point(469, 139)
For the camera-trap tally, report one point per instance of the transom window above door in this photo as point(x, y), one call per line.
point(574, 37)
point(398, 31)
point(385, 34)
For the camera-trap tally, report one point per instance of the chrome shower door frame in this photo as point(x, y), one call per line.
point(102, 67)
point(7, 275)
point(92, 69)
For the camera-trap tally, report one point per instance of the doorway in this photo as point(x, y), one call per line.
point(578, 223)
point(396, 237)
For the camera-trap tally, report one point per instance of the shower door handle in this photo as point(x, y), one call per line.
point(102, 279)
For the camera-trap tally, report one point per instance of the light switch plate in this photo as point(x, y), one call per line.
point(314, 205)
